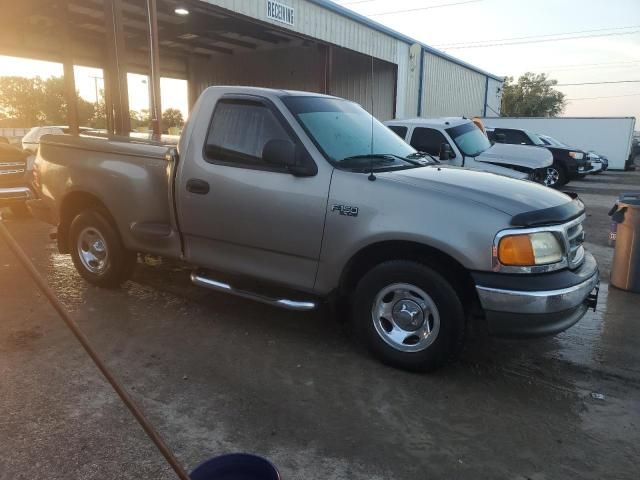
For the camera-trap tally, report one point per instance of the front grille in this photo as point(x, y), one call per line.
point(12, 170)
point(575, 239)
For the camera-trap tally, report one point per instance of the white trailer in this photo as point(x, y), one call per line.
point(609, 136)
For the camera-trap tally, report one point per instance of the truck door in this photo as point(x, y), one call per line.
point(239, 214)
point(430, 140)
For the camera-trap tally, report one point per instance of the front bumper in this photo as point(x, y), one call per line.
point(537, 305)
point(12, 195)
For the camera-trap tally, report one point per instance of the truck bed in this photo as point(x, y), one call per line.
point(131, 176)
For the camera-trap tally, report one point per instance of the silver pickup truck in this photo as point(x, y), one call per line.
point(292, 198)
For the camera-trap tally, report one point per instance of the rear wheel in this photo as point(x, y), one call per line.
point(555, 176)
point(408, 315)
point(97, 250)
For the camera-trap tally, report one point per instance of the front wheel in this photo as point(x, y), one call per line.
point(408, 315)
point(97, 250)
point(555, 176)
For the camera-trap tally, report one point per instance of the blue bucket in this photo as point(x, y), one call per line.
point(236, 466)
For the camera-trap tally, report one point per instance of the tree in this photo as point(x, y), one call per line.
point(172, 117)
point(26, 102)
point(532, 96)
point(139, 118)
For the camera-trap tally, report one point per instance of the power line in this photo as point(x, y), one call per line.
point(595, 83)
point(609, 96)
point(580, 65)
point(356, 3)
point(446, 45)
point(590, 68)
point(422, 8)
point(545, 40)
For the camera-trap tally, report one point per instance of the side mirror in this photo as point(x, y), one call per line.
point(284, 153)
point(445, 152)
point(500, 138)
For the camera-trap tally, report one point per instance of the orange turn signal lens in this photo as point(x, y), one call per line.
point(516, 250)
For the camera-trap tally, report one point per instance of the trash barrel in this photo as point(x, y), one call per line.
point(236, 466)
point(613, 228)
point(625, 270)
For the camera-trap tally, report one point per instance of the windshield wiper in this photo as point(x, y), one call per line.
point(382, 156)
point(421, 154)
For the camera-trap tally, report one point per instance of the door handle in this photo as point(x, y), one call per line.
point(195, 185)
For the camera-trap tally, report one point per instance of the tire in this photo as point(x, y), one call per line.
point(424, 324)
point(20, 210)
point(97, 250)
point(556, 176)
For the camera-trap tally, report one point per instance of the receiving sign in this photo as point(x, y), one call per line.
point(279, 12)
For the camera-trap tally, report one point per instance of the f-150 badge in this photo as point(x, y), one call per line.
point(347, 210)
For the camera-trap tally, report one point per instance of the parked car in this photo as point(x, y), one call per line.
point(31, 140)
point(568, 163)
point(596, 162)
point(14, 179)
point(459, 142)
point(600, 162)
point(611, 136)
point(292, 199)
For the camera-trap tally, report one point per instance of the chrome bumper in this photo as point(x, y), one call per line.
point(537, 302)
point(15, 194)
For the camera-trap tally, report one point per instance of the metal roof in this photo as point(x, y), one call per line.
point(329, 5)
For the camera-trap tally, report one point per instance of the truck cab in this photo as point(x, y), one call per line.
point(294, 199)
point(459, 142)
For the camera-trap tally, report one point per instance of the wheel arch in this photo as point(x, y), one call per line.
point(447, 266)
point(72, 204)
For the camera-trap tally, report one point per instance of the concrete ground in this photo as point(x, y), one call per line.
point(219, 374)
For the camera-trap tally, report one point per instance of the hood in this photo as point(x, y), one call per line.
point(496, 191)
point(520, 155)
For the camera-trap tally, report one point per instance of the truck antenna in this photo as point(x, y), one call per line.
point(371, 176)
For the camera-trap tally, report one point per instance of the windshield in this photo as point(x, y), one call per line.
point(469, 139)
point(342, 130)
point(552, 141)
point(535, 138)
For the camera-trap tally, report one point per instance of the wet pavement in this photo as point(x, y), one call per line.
point(219, 374)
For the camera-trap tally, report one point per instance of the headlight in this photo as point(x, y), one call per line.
point(576, 155)
point(530, 249)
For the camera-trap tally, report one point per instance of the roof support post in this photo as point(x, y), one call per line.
point(328, 69)
point(421, 81)
point(486, 96)
point(154, 62)
point(70, 93)
point(117, 96)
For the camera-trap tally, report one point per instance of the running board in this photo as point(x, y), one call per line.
point(199, 279)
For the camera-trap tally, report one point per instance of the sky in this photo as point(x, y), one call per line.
point(610, 53)
point(596, 59)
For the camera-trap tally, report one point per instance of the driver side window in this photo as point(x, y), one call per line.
point(239, 131)
point(427, 140)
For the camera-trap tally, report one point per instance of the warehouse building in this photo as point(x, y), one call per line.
point(313, 45)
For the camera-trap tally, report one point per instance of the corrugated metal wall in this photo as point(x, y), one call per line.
point(302, 68)
point(295, 68)
point(494, 97)
point(317, 22)
point(351, 78)
point(450, 89)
